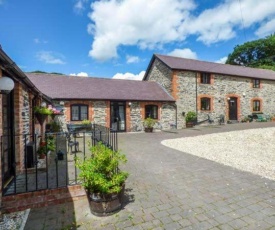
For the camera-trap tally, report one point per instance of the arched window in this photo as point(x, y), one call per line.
point(151, 111)
point(79, 112)
point(205, 103)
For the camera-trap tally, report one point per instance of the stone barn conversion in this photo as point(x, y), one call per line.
point(212, 89)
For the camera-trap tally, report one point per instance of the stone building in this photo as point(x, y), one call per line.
point(17, 123)
point(212, 89)
point(119, 104)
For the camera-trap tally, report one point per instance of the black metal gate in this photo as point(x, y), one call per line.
point(58, 168)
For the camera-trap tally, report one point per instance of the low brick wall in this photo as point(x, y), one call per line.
point(42, 198)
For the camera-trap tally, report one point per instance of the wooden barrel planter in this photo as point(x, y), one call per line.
point(105, 204)
point(148, 129)
point(189, 124)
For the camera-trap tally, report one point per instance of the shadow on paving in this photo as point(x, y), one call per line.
point(52, 217)
point(168, 189)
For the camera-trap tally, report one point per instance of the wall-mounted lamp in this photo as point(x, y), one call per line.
point(130, 103)
point(43, 104)
point(244, 94)
point(61, 103)
point(6, 85)
point(228, 98)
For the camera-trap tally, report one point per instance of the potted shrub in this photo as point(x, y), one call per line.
point(148, 124)
point(87, 124)
point(102, 179)
point(42, 151)
point(190, 119)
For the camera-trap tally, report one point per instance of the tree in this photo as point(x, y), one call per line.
point(256, 54)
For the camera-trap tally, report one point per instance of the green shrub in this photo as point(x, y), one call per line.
point(99, 173)
point(190, 116)
point(85, 122)
point(149, 122)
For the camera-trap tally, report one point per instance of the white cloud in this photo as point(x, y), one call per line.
point(219, 23)
point(123, 23)
point(81, 74)
point(132, 22)
point(80, 5)
point(130, 76)
point(184, 53)
point(50, 57)
point(266, 28)
point(132, 59)
point(37, 41)
point(222, 60)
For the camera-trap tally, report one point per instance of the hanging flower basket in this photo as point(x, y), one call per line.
point(41, 118)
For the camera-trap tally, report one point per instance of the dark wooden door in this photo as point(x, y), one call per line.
point(233, 109)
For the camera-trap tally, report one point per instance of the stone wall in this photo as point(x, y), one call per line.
point(186, 95)
point(100, 114)
point(135, 117)
point(187, 90)
point(168, 115)
point(162, 74)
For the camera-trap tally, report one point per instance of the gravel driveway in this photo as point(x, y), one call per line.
point(248, 150)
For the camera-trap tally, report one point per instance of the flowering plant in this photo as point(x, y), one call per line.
point(54, 110)
point(42, 110)
point(46, 111)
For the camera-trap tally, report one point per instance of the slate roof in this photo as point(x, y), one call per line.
point(71, 87)
point(176, 63)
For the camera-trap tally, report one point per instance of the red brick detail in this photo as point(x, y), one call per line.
point(251, 84)
point(174, 85)
point(108, 112)
point(238, 105)
point(261, 104)
point(68, 104)
point(211, 79)
point(128, 116)
point(199, 102)
point(42, 198)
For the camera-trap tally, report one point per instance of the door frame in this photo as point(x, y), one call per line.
point(8, 134)
point(238, 109)
point(117, 104)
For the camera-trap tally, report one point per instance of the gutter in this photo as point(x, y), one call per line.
point(17, 74)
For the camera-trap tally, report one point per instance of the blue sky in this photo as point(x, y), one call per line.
point(117, 38)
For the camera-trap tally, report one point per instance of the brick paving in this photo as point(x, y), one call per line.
point(168, 189)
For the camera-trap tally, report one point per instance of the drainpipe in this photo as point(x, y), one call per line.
point(196, 96)
point(176, 116)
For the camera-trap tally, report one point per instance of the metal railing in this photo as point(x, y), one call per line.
point(28, 173)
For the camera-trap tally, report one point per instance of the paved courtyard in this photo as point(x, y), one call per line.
point(168, 189)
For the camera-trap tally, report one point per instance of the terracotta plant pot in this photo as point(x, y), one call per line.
point(42, 156)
